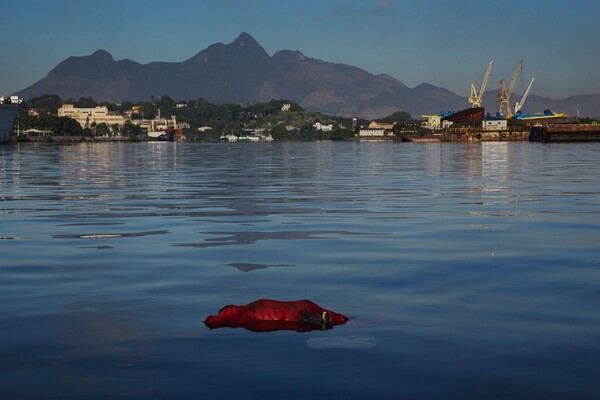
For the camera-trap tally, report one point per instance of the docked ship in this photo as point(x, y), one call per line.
point(474, 125)
point(8, 113)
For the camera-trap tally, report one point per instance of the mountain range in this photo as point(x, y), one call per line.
point(243, 72)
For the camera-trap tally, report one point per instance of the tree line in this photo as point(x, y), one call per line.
point(294, 123)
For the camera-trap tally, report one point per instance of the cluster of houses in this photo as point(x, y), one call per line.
point(248, 135)
point(90, 117)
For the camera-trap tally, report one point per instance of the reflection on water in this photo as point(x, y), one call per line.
point(247, 267)
point(250, 237)
point(109, 235)
point(340, 342)
point(468, 270)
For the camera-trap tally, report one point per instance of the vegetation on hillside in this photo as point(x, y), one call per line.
point(293, 123)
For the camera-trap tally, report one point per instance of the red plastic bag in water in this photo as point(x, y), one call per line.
point(270, 315)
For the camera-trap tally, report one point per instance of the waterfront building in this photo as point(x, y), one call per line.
point(377, 129)
point(381, 125)
point(87, 116)
point(373, 132)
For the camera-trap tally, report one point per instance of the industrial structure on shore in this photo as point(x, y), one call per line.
point(8, 112)
point(510, 123)
point(475, 125)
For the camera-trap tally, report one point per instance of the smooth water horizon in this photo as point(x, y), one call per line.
point(468, 270)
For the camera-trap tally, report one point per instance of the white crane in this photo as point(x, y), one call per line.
point(476, 98)
point(519, 104)
point(504, 94)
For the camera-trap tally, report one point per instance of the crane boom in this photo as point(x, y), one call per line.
point(504, 94)
point(485, 80)
point(514, 77)
point(476, 98)
point(519, 104)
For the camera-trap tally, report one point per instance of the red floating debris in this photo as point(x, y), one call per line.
point(272, 315)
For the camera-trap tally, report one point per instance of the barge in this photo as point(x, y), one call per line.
point(469, 135)
point(469, 125)
point(565, 133)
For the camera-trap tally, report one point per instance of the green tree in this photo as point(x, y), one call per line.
point(130, 129)
point(211, 135)
point(49, 103)
point(278, 132)
point(66, 126)
point(86, 102)
point(398, 117)
point(115, 129)
point(165, 104)
point(342, 134)
point(102, 129)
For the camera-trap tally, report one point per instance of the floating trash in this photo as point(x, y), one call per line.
point(272, 315)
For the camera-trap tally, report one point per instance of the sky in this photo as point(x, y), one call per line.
point(447, 43)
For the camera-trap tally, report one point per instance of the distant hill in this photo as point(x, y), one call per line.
point(242, 71)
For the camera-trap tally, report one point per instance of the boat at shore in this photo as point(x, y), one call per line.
point(552, 133)
point(471, 125)
point(8, 113)
point(474, 125)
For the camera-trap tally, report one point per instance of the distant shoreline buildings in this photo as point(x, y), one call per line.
point(88, 116)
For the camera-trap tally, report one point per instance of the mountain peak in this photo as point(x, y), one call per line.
point(246, 41)
point(242, 72)
point(243, 46)
point(102, 55)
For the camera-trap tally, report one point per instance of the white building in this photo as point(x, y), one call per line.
point(248, 135)
point(372, 132)
point(320, 127)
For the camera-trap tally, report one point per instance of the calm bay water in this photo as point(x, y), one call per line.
point(469, 271)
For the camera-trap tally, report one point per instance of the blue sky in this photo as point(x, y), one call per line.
point(444, 42)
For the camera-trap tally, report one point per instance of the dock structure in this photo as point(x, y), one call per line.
point(505, 134)
point(470, 135)
point(549, 133)
point(566, 133)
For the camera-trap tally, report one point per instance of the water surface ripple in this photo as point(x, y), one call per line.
point(468, 271)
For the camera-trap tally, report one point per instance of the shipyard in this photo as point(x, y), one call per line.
point(508, 124)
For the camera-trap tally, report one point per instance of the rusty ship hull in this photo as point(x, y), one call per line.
point(566, 133)
point(469, 135)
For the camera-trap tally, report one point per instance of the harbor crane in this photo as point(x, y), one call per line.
point(476, 98)
point(519, 104)
point(504, 94)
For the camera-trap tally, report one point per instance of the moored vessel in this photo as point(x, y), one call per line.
point(8, 113)
point(566, 133)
